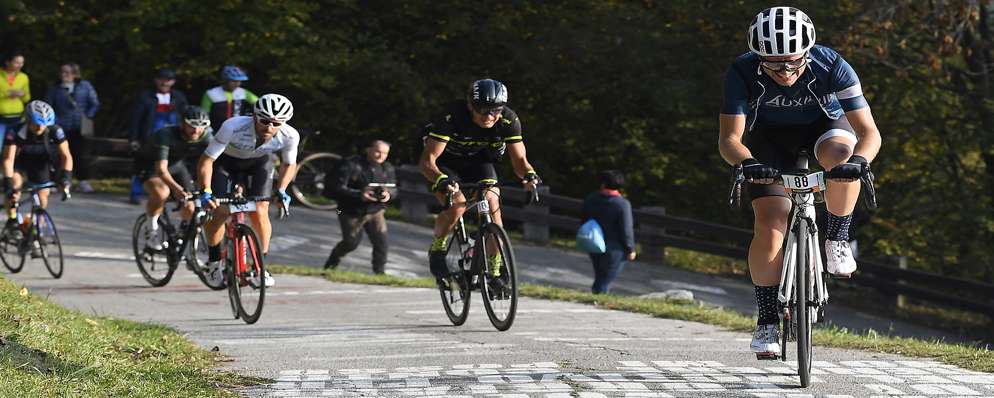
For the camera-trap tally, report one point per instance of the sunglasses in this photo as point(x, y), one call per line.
point(489, 111)
point(791, 65)
point(270, 123)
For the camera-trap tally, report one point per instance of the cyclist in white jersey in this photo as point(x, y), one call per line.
point(243, 147)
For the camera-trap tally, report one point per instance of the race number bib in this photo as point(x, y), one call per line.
point(250, 206)
point(814, 182)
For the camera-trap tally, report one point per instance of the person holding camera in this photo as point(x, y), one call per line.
point(363, 185)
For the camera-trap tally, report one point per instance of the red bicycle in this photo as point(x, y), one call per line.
point(245, 270)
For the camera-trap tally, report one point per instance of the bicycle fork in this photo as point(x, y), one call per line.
point(816, 291)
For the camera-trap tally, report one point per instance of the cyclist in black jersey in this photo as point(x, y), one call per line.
point(162, 165)
point(462, 143)
point(29, 148)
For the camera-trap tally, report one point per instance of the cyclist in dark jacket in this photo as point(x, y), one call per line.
point(361, 206)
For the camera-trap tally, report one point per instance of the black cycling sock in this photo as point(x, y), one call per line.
point(214, 253)
point(766, 300)
point(838, 227)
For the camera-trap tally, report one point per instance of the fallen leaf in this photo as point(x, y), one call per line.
point(92, 322)
point(24, 291)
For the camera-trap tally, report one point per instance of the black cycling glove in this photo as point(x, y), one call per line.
point(531, 175)
point(851, 169)
point(753, 170)
point(442, 184)
point(64, 177)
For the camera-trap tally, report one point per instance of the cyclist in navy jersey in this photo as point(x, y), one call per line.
point(789, 94)
point(462, 143)
point(31, 147)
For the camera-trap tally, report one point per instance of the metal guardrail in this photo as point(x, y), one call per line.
point(880, 276)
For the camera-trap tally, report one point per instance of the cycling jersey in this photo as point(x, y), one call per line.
point(168, 144)
point(223, 105)
point(34, 144)
point(828, 87)
point(463, 137)
point(236, 138)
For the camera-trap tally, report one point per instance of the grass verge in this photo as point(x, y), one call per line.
point(50, 351)
point(961, 355)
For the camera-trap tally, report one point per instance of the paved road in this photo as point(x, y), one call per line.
point(319, 338)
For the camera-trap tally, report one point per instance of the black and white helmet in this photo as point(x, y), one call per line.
point(487, 94)
point(274, 107)
point(781, 32)
point(195, 116)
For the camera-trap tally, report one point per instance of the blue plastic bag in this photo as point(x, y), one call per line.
point(590, 238)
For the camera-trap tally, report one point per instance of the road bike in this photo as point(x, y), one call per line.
point(470, 259)
point(158, 262)
point(803, 294)
point(308, 183)
point(245, 269)
point(36, 236)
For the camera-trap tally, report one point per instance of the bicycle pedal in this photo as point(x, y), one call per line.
point(766, 356)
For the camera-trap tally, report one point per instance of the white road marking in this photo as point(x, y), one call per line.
point(106, 256)
point(285, 242)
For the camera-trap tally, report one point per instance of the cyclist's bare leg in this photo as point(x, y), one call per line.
point(8, 202)
point(158, 192)
point(43, 197)
point(766, 250)
point(840, 197)
point(261, 224)
point(446, 220)
point(214, 228)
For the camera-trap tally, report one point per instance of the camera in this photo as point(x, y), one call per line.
point(377, 189)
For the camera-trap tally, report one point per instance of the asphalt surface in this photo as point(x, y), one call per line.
point(319, 338)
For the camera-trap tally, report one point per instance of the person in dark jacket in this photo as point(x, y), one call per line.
point(614, 214)
point(361, 205)
point(154, 109)
point(70, 97)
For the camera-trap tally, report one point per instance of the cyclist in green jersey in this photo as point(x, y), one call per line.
point(162, 165)
point(229, 99)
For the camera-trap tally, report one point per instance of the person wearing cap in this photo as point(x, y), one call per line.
point(229, 99)
point(163, 167)
point(154, 109)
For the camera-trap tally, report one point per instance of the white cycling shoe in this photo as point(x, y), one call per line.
point(766, 340)
point(215, 272)
point(840, 259)
point(152, 240)
point(270, 282)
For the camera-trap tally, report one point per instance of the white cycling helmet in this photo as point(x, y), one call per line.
point(274, 107)
point(781, 32)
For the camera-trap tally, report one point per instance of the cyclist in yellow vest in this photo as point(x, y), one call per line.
point(229, 99)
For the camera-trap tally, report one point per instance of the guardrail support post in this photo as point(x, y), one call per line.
point(902, 263)
point(653, 253)
point(412, 211)
point(536, 231)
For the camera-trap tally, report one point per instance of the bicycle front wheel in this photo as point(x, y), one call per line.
point(455, 289)
point(157, 264)
point(499, 279)
point(48, 243)
point(802, 287)
point(246, 274)
point(11, 241)
point(308, 183)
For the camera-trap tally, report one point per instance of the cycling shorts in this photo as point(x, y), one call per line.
point(144, 170)
point(777, 147)
point(255, 175)
point(474, 168)
point(37, 168)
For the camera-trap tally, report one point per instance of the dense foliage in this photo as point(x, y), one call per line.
point(633, 85)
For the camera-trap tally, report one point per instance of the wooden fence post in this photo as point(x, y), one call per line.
point(653, 253)
point(538, 232)
point(902, 263)
point(411, 210)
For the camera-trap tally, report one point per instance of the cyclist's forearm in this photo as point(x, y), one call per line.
point(9, 152)
point(287, 172)
point(205, 170)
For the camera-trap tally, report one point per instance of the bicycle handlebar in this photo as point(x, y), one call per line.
point(866, 180)
point(33, 189)
point(531, 198)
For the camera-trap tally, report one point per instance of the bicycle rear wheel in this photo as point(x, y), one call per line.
point(500, 282)
point(48, 242)
point(455, 289)
point(10, 249)
point(246, 274)
point(156, 265)
point(308, 183)
point(802, 287)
